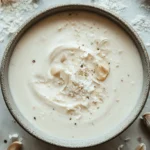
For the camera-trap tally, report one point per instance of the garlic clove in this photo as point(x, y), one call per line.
point(17, 145)
point(102, 71)
point(141, 146)
point(146, 119)
point(56, 70)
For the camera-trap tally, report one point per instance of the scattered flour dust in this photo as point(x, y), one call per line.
point(13, 15)
point(141, 23)
point(147, 7)
point(148, 44)
point(113, 5)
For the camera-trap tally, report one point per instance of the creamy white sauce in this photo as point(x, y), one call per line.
point(77, 73)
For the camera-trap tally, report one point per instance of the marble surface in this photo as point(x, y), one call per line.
point(129, 9)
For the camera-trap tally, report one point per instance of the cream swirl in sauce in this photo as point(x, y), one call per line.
point(77, 73)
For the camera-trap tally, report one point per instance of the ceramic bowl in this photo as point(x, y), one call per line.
point(74, 143)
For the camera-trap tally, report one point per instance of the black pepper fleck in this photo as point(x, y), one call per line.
point(5, 141)
point(121, 80)
point(87, 97)
point(34, 118)
point(70, 118)
point(109, 63)
point(75, 124)
point(81, 66)
point(97, 48)
point(97, 107)
point(53, 108)
point(128, 75)
point(33, 61)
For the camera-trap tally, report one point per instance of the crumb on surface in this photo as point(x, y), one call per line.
point(127, 139)
point(120, 147)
